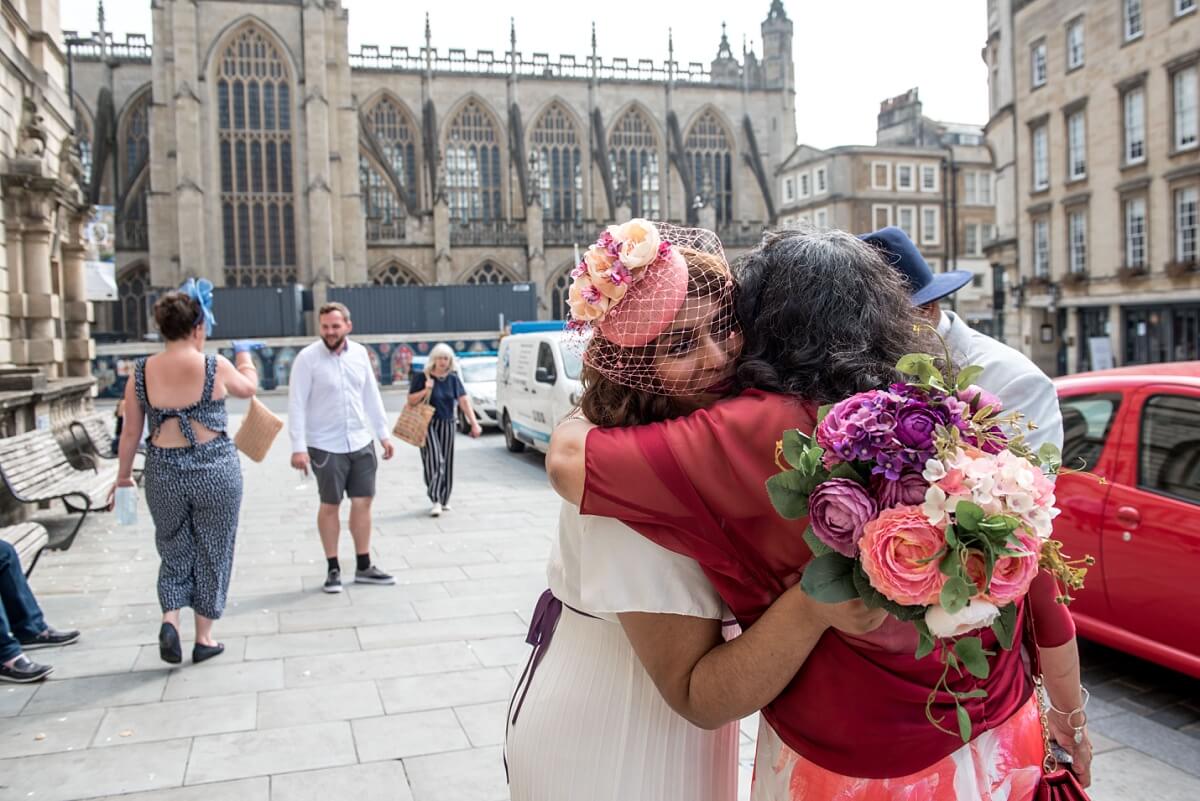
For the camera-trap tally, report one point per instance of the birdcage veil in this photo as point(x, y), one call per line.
point(645, 296)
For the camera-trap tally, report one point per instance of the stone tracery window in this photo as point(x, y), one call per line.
point(395, 132)
point(710, 160)
point(83, 135)
point(129, 312)
point(633, 153)
point(559, 289)
point(555, 147)
point(135, 141)
point(488, 273)
point(473, 165)
point(394, 274)
point(254, 121)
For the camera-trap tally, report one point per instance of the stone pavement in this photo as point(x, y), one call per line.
point(377, 694)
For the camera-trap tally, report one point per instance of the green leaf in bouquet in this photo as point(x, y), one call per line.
point(964, 723)
point(789, 493)
point(968, 516)
point(915, 363)
point(974, 658)
point(1050, 455)
point(871, 597)
point(951, 564)
point(830, 579)
point(814, 543)
point(951, 536)
point(795, 443)
point(968, 375)
point(926, 642)
point(955, 594)
point(1005, 626)
point(998, 526)
point(822, 412)
point(847, 470)
point(971, 694)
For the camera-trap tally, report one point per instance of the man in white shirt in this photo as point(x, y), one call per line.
point(1010, 376)
point(335, 414)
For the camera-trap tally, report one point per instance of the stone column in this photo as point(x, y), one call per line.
point(443, 264)
point(1116, 334)
point(191, 213)
point(14, 335)
point(77, 316)
point(317, 217)
point(535, 250)
point(353, 253)
point(42, 306)
point(1071, 337)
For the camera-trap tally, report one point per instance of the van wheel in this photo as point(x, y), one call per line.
point(510, 439)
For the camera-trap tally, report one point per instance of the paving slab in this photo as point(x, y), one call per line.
point(474, 775)
point(377, 781)
point(30, 735)
point(172, 720)
point(236, 756)
point(88, 773)
point(411, 734)
point(118, 689)
point(318, 704)
point(457, 688)
point(257, 789)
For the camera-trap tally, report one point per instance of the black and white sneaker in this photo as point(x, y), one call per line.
point(50, 638)
point(373, 575)
point(24, 671)
point(333, 581)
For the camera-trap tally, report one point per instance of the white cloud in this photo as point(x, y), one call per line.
point(849, 55)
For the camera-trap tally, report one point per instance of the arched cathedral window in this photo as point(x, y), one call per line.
point(559, 161)
point(254, 121)
point(129, 312)
point(394, 274)
point(559, 290)
point(135, 142)
point(473, 166)
point(710, 159)
point(488, 273)
point(395, 133)
point(633, 153)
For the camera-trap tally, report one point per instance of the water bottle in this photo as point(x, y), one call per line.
point(126, 506)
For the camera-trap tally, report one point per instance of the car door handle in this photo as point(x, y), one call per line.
point(1128, 517)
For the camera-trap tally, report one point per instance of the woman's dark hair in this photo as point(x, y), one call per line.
point(609, 404)
point(177, 315)
point(823, 316)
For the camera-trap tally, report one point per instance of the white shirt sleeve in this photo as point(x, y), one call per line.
point(372, 402)
point(1033, 395)
point(299, 386)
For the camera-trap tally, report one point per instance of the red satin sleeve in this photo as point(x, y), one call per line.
point(1052, 622)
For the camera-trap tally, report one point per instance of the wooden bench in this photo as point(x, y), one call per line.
point(35, 469)
point(92, 436)
point(29, 539)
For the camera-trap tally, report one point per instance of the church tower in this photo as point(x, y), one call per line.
point(779, 74)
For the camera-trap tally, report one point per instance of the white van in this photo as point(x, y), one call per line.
point(537, 384)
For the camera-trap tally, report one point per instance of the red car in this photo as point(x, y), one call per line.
point(1136, 433)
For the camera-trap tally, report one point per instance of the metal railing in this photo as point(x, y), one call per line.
point(484, 233)
point(134, 48)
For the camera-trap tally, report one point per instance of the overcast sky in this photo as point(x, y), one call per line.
point(849, 54)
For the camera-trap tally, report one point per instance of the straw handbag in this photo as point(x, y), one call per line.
point(413, 425)
point(257, 431)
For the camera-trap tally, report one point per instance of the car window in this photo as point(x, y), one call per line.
point(1087, 421)
point(572, 363)
point(475, 371)
point(1169, 454)
point(546, 361)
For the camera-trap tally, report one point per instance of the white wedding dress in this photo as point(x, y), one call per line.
point(592, 726)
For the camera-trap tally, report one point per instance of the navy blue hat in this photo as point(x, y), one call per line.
point(926, 285)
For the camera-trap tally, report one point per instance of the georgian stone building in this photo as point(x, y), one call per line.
point(247, 144)
point(931, 179)
point(1094, 129)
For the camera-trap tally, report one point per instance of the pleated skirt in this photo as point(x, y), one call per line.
point(594, 728)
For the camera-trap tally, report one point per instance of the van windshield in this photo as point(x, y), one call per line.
point(572, 363)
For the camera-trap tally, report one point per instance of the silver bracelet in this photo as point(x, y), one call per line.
point(1087, 696)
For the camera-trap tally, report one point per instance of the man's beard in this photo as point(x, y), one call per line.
point(337, 344)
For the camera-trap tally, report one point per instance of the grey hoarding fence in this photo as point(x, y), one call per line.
point(418, 309)
point(261, 311)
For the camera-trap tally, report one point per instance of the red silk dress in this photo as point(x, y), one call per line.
point(696, 485)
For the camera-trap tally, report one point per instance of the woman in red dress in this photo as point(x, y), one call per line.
point(824, 318)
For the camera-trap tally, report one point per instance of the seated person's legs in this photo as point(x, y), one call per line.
point(22, 626)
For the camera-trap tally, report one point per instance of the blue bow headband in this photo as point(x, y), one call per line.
point(202, 292)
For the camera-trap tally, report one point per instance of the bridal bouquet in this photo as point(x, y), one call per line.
point(925, 500)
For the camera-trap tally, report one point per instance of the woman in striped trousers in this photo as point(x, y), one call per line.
point(441, 387)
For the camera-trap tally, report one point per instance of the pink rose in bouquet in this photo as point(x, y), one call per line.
point(837, 510)
point(899, 552)
point(1013, 574)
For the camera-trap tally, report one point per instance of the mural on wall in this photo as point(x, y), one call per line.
point(392, 362)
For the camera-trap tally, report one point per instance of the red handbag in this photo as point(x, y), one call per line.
point(1058, 782)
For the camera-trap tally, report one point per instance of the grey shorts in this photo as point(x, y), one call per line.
point(339, 474)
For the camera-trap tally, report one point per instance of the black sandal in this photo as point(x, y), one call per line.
point(169, 649)
point(202, 652)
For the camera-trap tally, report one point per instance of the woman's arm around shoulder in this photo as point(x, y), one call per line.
point(240, 381)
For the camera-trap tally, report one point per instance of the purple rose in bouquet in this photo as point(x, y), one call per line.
point(837, 510)
point(908, 490)
point(856, 428)
point(915, 424)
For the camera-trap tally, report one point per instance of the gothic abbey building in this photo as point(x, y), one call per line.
point(247, 145)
